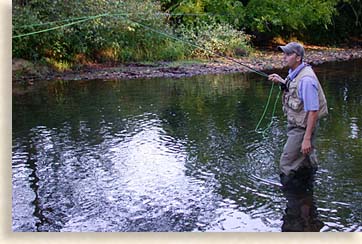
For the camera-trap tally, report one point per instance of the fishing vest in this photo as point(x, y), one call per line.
point(293, 107)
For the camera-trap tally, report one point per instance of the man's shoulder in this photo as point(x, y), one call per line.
point(308, 74)
point(308, 78)
point(307, 70)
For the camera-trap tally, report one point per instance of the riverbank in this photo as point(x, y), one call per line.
point(25, 72)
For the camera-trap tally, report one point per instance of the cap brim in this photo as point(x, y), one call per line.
point(284, 49)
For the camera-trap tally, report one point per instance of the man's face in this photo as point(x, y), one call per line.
point(292, 60)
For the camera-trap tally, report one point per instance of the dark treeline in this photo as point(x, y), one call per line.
point(230, 27)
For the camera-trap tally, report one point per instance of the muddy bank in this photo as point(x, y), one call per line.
point(261, 60)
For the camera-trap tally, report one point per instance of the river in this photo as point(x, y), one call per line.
point(176, 155)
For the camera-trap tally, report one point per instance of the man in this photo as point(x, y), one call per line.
point(304, 103)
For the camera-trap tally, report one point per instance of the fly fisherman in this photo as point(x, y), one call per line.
point(304, 103)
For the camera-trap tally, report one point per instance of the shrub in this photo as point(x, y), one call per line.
point(220, 38)
point(109, 38)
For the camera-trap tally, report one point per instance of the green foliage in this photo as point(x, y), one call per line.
point(191, 11)
point(218, 25)
point(21, 48)
point(346, 25)
point(121, 36)
point(110, 38)
point(320, 21)
point(288, 17)
point(220, 38)
point(230, 11)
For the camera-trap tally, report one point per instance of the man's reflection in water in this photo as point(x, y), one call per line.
point(301, 212)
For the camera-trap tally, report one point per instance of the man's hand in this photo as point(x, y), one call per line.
point(311, 122)
point(306, 146)
point(276, 78)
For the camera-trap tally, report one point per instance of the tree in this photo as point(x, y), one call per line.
point(288, 18)
point(316, 21)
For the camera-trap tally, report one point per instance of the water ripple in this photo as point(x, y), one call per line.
point(166, 155)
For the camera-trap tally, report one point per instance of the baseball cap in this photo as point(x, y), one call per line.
point(292, 47)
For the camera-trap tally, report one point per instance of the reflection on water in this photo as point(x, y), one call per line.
point(177, 155)
point(301, 213)
point(112, 186)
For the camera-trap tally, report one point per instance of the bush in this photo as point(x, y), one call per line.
point(219, 38)
point(27, 47)
point(280, 17)
point(319, 21)
point(111, 38)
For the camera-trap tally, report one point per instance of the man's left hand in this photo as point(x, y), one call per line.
point(306, 146)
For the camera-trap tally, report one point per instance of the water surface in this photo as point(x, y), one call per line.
point(176, 155)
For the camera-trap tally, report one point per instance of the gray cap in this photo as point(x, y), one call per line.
point(292, 47)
